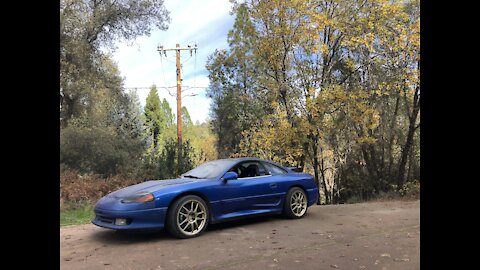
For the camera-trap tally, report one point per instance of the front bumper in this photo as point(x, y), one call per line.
point(137, 219)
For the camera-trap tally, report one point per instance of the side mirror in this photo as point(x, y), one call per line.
point(230, 176)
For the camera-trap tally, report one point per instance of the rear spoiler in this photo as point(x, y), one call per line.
point(294, 169)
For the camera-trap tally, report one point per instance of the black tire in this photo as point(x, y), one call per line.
point(297, 208)
point(189, 220)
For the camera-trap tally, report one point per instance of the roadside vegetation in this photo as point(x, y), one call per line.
point(332, 87)
point(81, 214)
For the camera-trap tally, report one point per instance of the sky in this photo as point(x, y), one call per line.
point(205, 23)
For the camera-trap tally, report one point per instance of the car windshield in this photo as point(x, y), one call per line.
point(211, 169)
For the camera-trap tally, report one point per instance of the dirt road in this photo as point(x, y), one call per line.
point(378, 235)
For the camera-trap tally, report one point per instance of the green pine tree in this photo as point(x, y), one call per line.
point(155, 117)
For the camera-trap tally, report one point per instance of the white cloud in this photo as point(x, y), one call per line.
point(205, 23)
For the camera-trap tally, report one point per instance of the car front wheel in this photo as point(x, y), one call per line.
point(295, 203)
point(187, 217)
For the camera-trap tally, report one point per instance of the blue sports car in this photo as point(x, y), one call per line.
point(215, 191)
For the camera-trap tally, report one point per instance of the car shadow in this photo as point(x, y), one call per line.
point(121, 238)
point(106, 236)
point(242, 222)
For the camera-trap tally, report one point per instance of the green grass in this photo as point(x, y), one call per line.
point(79, 215)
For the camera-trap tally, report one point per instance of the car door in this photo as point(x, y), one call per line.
point(251, 192)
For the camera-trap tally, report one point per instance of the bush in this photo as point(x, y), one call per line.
point(387, 196)
point(100, 150)
point(354, 199)
point(168, 159)
point(411, 189)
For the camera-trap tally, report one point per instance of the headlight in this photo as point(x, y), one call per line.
point(139, 197)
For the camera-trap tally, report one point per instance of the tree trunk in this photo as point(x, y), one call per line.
point(315, 167)
point(369, 164)
point(301, 164)
point(283, 98)
point(405, 153)
point(378, 181)
point(324, 183)
point(392, 137)
point(408, 144)
point(336, 187)
point(410, 162)
point(303, 157)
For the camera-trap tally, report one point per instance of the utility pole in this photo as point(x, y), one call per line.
point(179, 96)
point(179, 111)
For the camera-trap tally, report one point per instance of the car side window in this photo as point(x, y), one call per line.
point(250, 169)
point(273, 169)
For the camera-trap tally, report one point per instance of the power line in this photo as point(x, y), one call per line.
point(186, 87)
point(149, 87)
point(163, 70)
point(195, 71)
point(187, 60)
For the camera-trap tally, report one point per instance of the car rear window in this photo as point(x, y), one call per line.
point(274, 169)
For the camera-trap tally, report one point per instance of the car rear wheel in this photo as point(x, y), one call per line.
point(295, 205)
point(187, 217)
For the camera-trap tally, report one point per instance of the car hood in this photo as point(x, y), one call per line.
point(149, 186)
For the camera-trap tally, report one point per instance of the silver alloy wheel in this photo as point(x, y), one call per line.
point(298, 203)
point(191, 217)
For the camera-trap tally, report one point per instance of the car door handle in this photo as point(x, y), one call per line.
point(273, 185)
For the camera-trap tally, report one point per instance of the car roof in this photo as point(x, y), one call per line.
point(250, 159)
point(242, 159)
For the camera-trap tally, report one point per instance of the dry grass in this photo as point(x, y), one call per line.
point(78, 190)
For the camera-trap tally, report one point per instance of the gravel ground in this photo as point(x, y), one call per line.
point(375, 235)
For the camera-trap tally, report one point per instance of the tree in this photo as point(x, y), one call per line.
point(85, 28)
point(155, 115)
point(186, 119)
point(167, 112)
point(409, 59)
point(168, 159)
point(239, 101)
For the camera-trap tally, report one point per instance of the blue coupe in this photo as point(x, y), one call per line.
point(216, 191)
